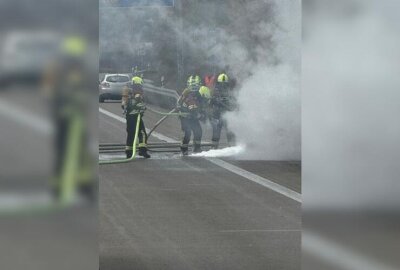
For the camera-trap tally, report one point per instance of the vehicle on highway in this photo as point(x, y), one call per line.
point(111, 86)
point(25, 55)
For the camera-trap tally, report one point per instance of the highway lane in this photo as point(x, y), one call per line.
point(171, 212)
point(64, 239)
point(25, 136)
point(286, 173)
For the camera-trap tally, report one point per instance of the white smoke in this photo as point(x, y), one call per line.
point(266, 66)
point(268, 120)
point(351, 105)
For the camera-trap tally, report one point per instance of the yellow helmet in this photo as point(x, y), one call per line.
point(205, 92)
point(137, 80)
point(74, 45)
point(223, 78)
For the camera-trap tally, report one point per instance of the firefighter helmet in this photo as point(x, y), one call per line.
point(205, 92)
point(137, 80)
point(223, 78)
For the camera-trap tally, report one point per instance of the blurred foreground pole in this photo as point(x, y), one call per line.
point(179, 42)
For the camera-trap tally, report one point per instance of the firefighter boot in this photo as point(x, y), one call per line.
point(197, 148)
point(143, 152)
point(128, 153)
point(184, 150)
point(215, 144)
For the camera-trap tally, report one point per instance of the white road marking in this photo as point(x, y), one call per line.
point(108, 156)
point(266, 230)
point(18, 114)
point(123, 120)
point(330, 251)
point(11, 200)
point(232, 168)
point(257, 179)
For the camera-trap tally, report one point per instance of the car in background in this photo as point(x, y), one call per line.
point(111, 86)
point(25, 55)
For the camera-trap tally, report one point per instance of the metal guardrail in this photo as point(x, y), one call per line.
point(161, 91)
point(163, 97)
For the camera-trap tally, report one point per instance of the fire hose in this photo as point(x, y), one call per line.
point(114, 161)
point(68, 177)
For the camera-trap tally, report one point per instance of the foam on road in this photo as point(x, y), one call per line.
point(224, 152)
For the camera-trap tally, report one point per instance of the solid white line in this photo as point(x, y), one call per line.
point(266, 230)
point(11, 200)
point(37, 123)
point(108, 156)
point(337, 255)
point(232, 168)
point(123, 120)
point(257, 179)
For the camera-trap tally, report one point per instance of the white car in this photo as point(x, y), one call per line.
point(24, 55)
point(111, 86)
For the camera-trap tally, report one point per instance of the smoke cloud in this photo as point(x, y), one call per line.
point(259, 43)
point(351, 150)
point(268, 120)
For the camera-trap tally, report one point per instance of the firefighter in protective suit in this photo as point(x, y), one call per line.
point(191, 104)
point(66, 82)
point(133, 105)
point(221, 102)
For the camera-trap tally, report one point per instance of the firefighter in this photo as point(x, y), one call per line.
point(222, 101)
point(66, 82)
point(133, 105)
point(191, 104)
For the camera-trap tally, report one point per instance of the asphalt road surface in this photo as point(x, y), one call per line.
point(173, 212)
point(65, 239)
point(165, 213)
